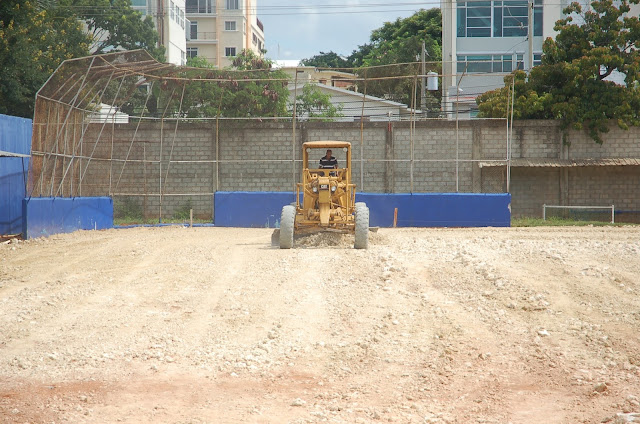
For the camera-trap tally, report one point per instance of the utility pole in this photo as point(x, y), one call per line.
point(530, 35)
point(423, 99)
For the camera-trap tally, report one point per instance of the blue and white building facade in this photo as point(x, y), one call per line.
point(482, 41)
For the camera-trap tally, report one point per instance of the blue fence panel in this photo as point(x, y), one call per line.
point(262, 209)
point(44, 216)
point(15, 137)
point(438, 209)
point(249, 209)
point(381, 208)
point(461, 210)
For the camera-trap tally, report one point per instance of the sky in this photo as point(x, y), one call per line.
point(300, 29)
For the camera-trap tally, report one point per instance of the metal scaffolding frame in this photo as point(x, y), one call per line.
point(74, 97)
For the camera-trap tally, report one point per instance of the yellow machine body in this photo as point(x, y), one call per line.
point(328, 195)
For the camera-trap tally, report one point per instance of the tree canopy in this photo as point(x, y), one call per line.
point(392, 52)
point(313, 103)
point(327, 60)
point(33, 42)
point(401, 41)
point(115, 25)
point(37, 35)
point(249, 89)
point(573, 83)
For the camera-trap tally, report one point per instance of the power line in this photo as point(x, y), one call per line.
point(307, 9)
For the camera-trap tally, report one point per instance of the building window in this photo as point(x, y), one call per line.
point(255, 39)
point(514, 18)
point(229, 51)
point(139, 3)
point(537, 59)
point(192, 52)
point(497, 18)
point(193, 30)
point(229, 25)
point(537, 18)
point(176, 14)
point(477, 63)
point(474, 19)
point(232, 5)
point(200, 6)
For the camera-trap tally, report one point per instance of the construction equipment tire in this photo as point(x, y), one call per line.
point(362, 226)
point(287, 221)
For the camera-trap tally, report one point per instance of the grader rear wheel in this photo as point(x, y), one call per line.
point(362, 226)
point(287, 221)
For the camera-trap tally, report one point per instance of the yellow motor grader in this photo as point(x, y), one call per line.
point(328, 198)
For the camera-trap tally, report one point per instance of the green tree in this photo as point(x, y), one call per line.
point(37, 35)
point(571, 83)
point(248, 89)
point(313, 103)
point(397, 45)
point(115, 25)
point(400, 41)
point(258, 90)
point(392, 52)
point(199, 62)
point(327, 60)
point(33, 42)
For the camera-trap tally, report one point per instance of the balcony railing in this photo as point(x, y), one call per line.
point(205, 9)
point(203, 36)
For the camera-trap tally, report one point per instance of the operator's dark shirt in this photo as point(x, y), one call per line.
point(328, 163)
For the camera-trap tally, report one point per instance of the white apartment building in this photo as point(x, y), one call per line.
point(482, 41)
point(221, 29)
point(170, 20)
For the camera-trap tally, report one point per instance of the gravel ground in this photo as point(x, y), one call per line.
point(214, 325)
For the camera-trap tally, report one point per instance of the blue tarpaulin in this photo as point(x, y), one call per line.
point(15, 147)
point(262, 209)
point(44, 216)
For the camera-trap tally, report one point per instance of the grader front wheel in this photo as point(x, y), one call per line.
point(287, 221)
point(362, 226)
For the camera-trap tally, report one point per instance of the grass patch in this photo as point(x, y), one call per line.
point(154, 221)
point(183, 212)
point(560, 222)
point(127, 209)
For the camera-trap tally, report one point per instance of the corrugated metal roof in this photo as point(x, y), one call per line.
point(4, 154)
point(564, 163)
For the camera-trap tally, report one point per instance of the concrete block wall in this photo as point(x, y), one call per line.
point(256, 156)
point(618, 143)
point(536, 139)
point(535, 187)
point(605, 186)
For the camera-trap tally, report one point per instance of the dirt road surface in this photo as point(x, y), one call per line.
point(214, 325)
